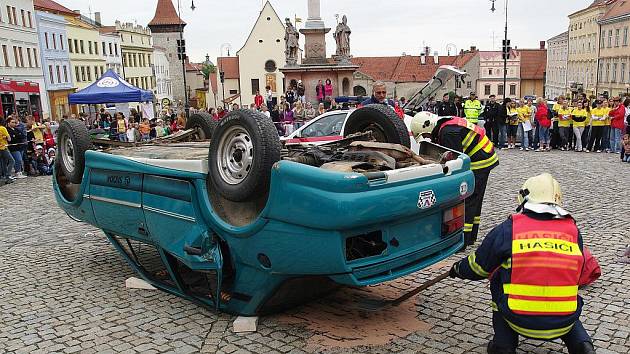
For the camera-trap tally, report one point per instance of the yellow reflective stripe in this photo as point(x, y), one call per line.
point(479, 145)
point(468, 227)
point(494, 306)
point(540, 291)
point(478, 165)
point(507, 264)
point(545, 245)
point(472, 262)
point(477, 220)
point(540, 333)
point(468, 140)
point(542, 306)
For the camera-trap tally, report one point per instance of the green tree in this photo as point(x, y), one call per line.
point(208, 69)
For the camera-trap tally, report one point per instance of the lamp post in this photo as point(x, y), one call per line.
point(221, 72)
point(506, 48)
point(183, 55)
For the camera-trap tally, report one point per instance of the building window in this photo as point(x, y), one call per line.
point(233, 92)
point(23, 18)
point(54, 40)
point(512, 90)
point(83, 73)
point(490, 72)
point(81, 45)
point(21, 56)
point(614, 72)
point(50, 74)
point(61, 41)
point(622, 77)
point(30, 20)
point(65, 74)
point(14, 16)
point(607, 73)
point(76, 73)
point(625, 36)
point(28, 54)
point(58, 74)
point(95, 72)
point(469, 85)
point(617, 31)
point(76, 47)
point(500, 90)
point(70, 45)
point(486, 90)
point(110, 48)
point(96, 48)
point(5, 55)
point(88, 70)
point(35, 58)
point(9, 15)
point(116, 49)
point(609, 38)
point(46, 40)
point(90, 47)
point(255, 86)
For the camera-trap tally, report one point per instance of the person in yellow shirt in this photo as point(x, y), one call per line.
point(598, 122)
point(580, 118)
point(512, 127)
point(554, 131)
point(524, 116)
point(6, 160)
point(608, 106)
point(564, 125)
point(121, 124)
point(37, 129)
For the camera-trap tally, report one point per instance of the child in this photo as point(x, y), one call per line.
point(626, 148)
point(145, 129)
point(50, 158)
point(38, 162)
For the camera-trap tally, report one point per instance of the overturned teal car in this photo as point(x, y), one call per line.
point(239, 223)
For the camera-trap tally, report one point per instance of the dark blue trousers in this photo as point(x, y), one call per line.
point(506, 339)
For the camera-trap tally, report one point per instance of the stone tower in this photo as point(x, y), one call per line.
point(165, 28)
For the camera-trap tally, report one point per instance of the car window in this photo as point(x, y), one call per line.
point(327, 126)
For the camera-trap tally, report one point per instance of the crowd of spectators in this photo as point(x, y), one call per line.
point(27, 147)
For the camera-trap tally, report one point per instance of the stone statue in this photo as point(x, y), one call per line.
point(292, 43)
point(342, 37)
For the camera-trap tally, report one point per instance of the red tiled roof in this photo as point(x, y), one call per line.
point(193, 66)
point(49, 5)
point(229, 65)
point(595, 3)
point(404, 68)
point(620, 8)
point(107, 29)
point(533, 63)
point(165, 15)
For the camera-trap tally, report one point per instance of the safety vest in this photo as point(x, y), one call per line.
point(546, 266)
point(481, 153)
point(472, 109)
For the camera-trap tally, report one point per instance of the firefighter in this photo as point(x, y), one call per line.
point(533, 260)
point(462, 135)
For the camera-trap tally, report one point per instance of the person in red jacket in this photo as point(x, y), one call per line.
point(542, 117)
point(617, 116)
point(258, 99)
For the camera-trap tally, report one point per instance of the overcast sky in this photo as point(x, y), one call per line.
point(379, 27)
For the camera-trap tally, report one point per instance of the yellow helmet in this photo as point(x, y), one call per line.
point(541, 189)
point(423, 123)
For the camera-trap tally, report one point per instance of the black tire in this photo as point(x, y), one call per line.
point(204, 122)
point(385, 124)
point(244, 148)
point(73, 141)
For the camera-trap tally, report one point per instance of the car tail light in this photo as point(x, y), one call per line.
point(453, 219)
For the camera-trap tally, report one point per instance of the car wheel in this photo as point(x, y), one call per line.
point(73, 142)
point(244, 147)
point(382, 121)
point(203, 124)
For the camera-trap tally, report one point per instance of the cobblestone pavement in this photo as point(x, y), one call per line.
point(62, 285)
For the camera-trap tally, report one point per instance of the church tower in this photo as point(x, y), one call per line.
point(165, 29)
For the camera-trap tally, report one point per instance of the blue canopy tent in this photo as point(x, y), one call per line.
point(110, 88)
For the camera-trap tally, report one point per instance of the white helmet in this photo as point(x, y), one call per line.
point(541, 189)
point(423, 123)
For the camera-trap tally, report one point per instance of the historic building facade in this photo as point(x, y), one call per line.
point(491, 71)
point(557, 53)
point(84, 47)
point(614, 55)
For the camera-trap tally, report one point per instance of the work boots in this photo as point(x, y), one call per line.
point(583, 348)
point(495, 349)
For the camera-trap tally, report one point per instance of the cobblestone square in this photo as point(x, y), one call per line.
point(62, 285)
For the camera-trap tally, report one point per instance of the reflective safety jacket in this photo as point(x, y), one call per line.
point(472, 110)
point(462, 135)
point(534, 263)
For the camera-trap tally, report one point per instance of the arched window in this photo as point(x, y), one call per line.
point(359, 91)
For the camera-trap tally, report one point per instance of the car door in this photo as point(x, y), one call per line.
point(322, 130)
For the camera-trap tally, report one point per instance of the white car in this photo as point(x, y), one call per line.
point(330, 127)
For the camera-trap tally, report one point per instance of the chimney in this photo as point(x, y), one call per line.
point(436, 58)
point(427, 51)
point(423, 58)
point(473, 48)
point(97, 17)
point(542, 44)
